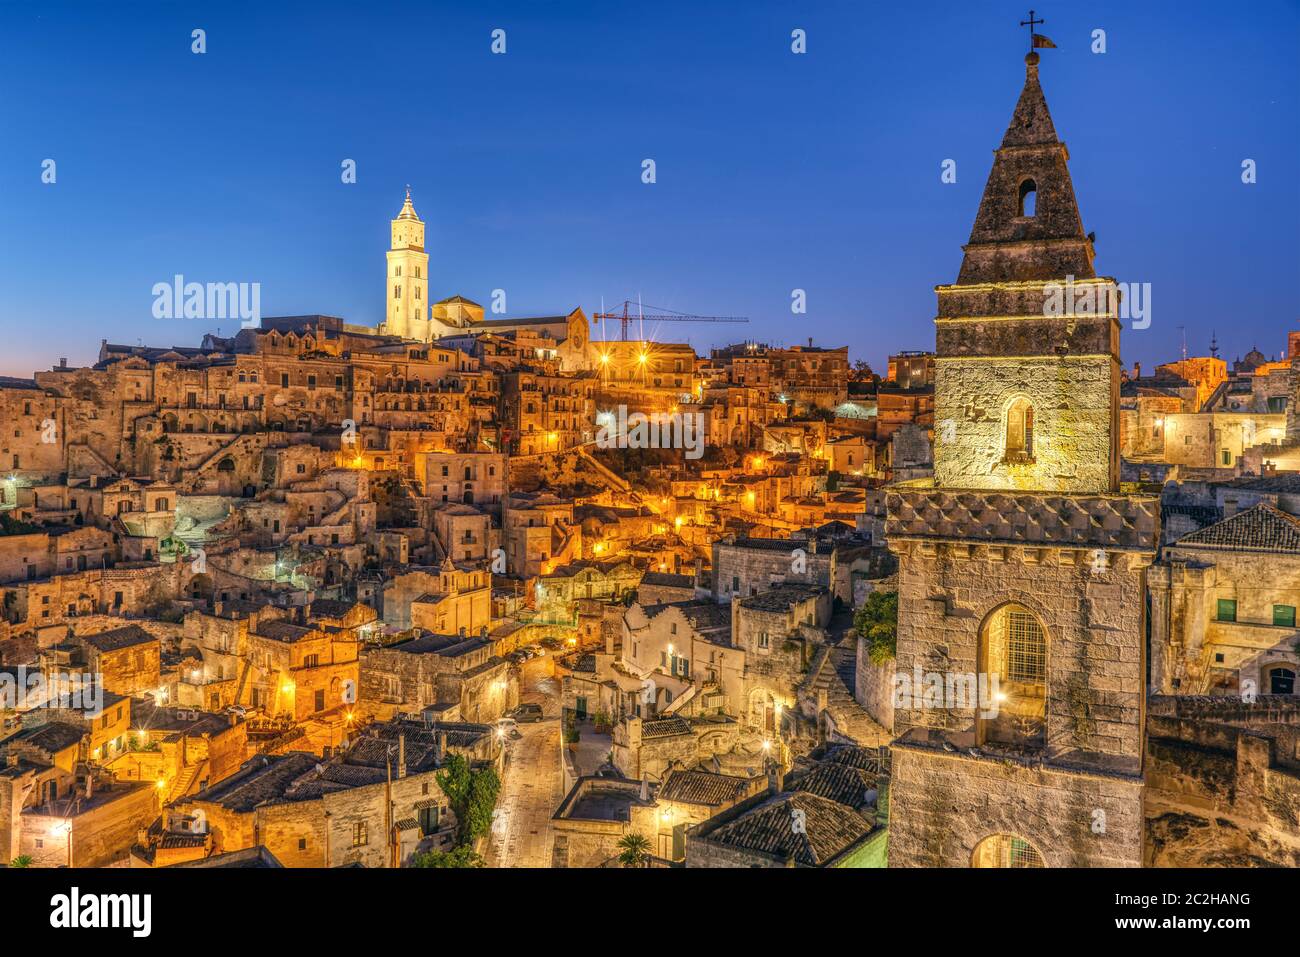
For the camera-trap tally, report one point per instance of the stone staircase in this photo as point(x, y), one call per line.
point(185, 781)
point(832, 675)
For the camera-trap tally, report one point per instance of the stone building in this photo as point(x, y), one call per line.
point(747, 566)
point(374, 804)
point(1018, 562)
point(471, 478)
point(127, 659)
point(446, 600)
point(595, 815)
point(547, 413)
point(456, 678)
point(1223, 607)
point(778, 631)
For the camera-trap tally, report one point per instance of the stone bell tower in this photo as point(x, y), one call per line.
point(1019, 703)
point(407, 312)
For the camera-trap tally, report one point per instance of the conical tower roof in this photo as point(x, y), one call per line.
point(408, 210)
point(1028, 226)
point(1031, 123)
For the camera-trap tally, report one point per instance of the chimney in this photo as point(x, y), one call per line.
point(645, 789)
point(401, 755)
point(90, 785)
point(1137, 370)
point(442, 746)
point(699, 570)
point(775, 779)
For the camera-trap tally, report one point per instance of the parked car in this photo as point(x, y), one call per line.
point(554, 644)
point(508, 728)
point(535, 650)
point(526, 713)
point(518, 657)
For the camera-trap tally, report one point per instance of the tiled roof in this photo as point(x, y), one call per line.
point(701, 787)
point(329, 608)
point(1023, 518)
point(781, 597)
point(119, 638)
point(664, 727)
point(855, 756)
point(282, 631)
point(1281, 482)
point(827, 829)
point(52, 737)
point(1262, 528)
point(668, 580)
point(840, 783)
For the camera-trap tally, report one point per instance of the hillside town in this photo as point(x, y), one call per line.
point(462, 589)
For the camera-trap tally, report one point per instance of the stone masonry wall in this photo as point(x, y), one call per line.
point(1091, 616)
point(1056, 811)
point(1072, 431)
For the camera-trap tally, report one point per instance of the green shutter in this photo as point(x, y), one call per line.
point(1284, 615)
point(1227, 609)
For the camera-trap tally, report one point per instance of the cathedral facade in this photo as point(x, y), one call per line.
point(1021, 580)
point(409, 314)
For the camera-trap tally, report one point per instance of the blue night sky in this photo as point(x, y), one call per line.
point(775, 171)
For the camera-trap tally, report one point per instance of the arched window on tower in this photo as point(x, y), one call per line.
point(1028, 198)
point(1013, 652)
point(1020, 431)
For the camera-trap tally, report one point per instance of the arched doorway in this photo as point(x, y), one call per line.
point(1005, 850)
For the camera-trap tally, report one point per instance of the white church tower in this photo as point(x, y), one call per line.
point(407, 314)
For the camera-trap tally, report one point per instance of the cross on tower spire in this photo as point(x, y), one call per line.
point(1031, 23)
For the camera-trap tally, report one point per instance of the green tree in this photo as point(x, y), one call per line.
point(22, 860)
point(463, 856)
point(483, 791)
point(472, 794)
point(634, 850)
point(877, 621)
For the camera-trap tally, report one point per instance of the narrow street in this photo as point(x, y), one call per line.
point(532, 786)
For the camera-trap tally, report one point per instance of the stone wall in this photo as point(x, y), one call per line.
point(875, 687)
point(1223, 783)
point(1091, 616)
point(1072, 819)
point(1073, 429)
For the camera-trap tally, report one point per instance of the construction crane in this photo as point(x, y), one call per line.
point(659, 315)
